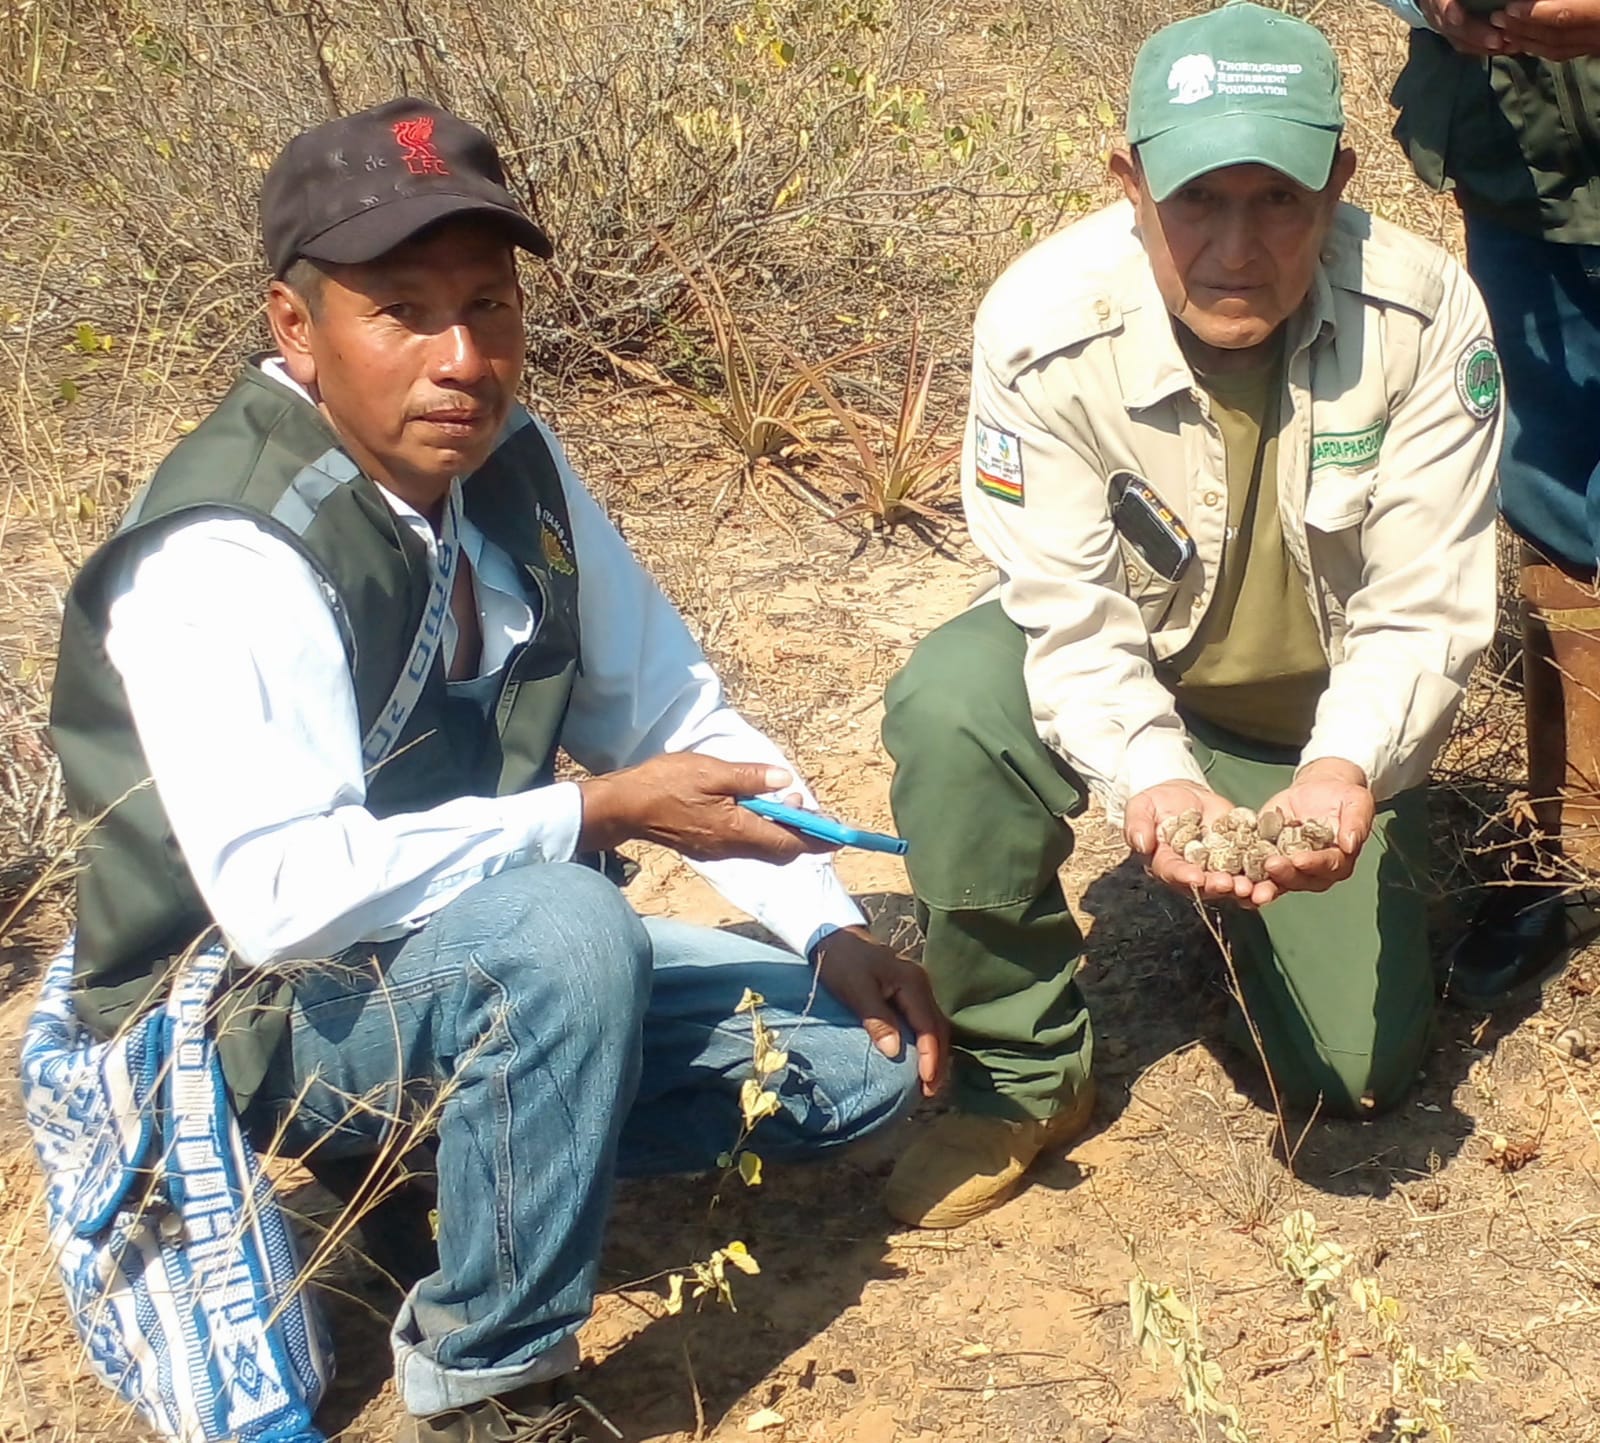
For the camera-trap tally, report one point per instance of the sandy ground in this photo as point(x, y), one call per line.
point(1476, 1206)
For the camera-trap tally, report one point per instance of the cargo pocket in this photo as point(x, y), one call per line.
point(1336, 506)
point(1336, 500)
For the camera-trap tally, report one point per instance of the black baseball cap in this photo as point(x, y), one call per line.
point(353, 189)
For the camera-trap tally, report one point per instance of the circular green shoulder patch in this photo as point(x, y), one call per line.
point(1478, 378)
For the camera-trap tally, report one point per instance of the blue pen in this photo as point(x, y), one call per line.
point(824, 828)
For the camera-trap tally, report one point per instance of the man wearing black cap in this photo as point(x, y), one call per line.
point(344, 631)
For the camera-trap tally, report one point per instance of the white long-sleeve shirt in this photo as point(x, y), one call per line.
point(242, 697)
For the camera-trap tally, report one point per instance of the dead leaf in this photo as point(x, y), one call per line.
point(739, 1255)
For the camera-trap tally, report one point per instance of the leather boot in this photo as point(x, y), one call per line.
point(966, 1163)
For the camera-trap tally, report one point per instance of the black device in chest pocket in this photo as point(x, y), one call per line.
point(1149, 525)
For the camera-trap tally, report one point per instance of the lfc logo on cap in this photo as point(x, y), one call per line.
point(416, 143)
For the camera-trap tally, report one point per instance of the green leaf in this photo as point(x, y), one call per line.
point(750, 1169)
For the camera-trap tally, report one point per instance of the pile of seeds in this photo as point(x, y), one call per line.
point(1239, 842)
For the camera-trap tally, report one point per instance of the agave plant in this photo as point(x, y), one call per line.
point(765, 404)
point(899, 467)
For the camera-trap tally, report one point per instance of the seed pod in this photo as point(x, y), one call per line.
point(1167, 828)
point(1317, 834)
point(1255, 860)
point(1227, 859)
point(1217, 838)
point(1190, 818)
point(1182, 837)
point(1269, 824)
point(1195, 853)
point(1241, 819)
point(1291, 840)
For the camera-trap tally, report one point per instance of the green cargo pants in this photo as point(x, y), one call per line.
point(1338, 983)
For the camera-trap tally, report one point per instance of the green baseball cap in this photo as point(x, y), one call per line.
point(1238, 85)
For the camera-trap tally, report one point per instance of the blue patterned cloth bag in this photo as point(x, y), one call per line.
point(178, 1266)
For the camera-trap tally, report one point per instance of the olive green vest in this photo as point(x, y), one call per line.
point(1518, 138)
point(268, 454)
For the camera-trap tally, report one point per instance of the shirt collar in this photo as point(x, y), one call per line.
point(275, 367)
point(1150, 363)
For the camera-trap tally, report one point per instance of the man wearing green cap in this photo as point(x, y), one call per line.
point(1231, 448)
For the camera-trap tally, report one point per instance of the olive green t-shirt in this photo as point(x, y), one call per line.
point(1255, 667)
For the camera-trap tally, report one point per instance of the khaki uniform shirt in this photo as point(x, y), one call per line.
point(1386, 458)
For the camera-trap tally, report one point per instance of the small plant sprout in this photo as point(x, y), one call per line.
point(1317, 1266)
point(756, 1101)
point(710, 1278)
point(1165, 1328)
point(1416, 1382)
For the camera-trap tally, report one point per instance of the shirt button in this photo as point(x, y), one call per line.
point(1211, 498)
point(1132, 574)
point(1102, 309)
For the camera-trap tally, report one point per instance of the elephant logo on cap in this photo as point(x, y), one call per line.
point(1192, 76)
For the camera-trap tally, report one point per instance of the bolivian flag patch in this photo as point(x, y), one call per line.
point(998, 456)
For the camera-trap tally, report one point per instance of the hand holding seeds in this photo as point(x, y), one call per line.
point(1197, 841)
point(1336, 792)
point(1175, 800)
point(1241, 842)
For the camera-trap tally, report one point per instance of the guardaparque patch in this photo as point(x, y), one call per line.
point(998, 458)
point(1349, 450)
point(1478, 378)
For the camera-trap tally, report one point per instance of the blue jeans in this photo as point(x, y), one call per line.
point(1544, 302)
point(558, 1040)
